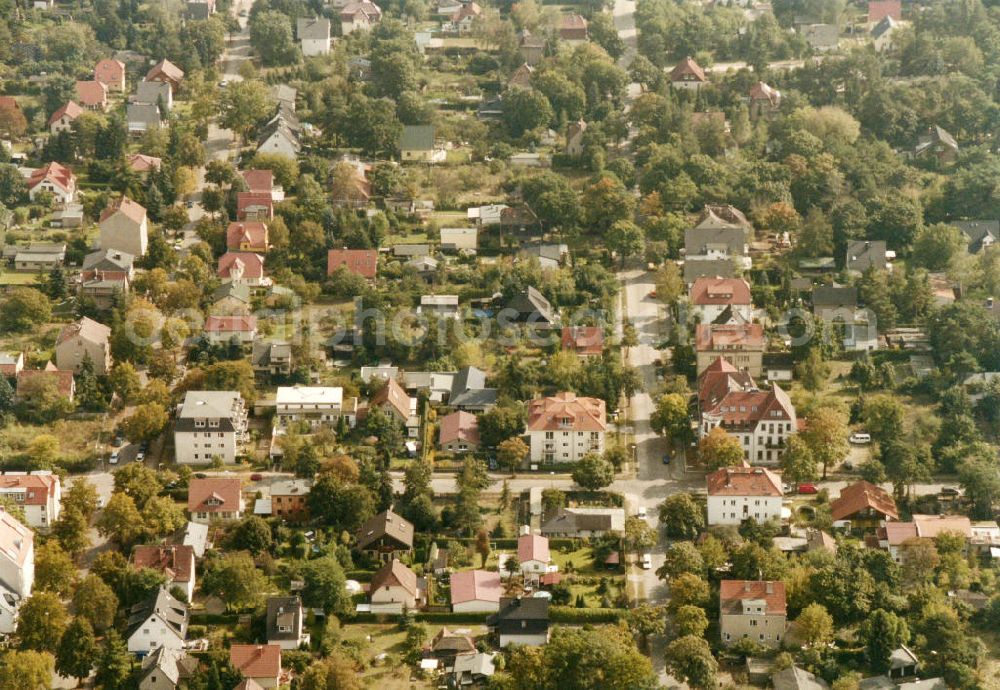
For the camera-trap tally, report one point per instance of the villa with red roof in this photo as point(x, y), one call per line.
point(39, 494)
point(586, 341)
point(215, 498)
point(459, 432)
point(687, 75)
point(221, 329)
point(175, 562)
point(751, 609)
point(247, 236)
point(245, 268)
point(260, 663)
point(92, 95)
point(719, 379)
point(111, 73)
point(262, 182)
point(254, 206)
point(53, 178)
point(362, 262)
point(761, 420)
point(62, 120)
point(166, 71)
point(142, 164)
point(865, 505)
point(709, 297)
point(533, 555)
point(880, 9)
point(740, 344)
point(564, 427)
point(736, 494)
point(475, 591)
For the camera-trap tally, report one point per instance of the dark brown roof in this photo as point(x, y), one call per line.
point(386, 523)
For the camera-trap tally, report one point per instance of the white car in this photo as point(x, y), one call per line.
point(114, 458)
point(861, 438)
point(641, 513)
point(140, 456)
point(647, 561)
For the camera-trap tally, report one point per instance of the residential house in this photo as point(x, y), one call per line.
point(231, 298)
point(761, 420)
point(243, 267)
point(903, 663)
point(736, 494)
point(425, 266)
point(938, 145)
point(55, 179)
point(462, 240)
point(215, 498)
point(260, 663)
point(530, 307)
point(158, 93)
point(361, 262)
point(865, 254)
point(254, 206)
point(314, 35)
point(103, 287)
point(270, 358)
point(880, 9)
point(572, 29)
point(61, 381)
point(39, 257)
point(142, 117)
point(531, 48)
point(210, 423)
point(883, 32)
point(469, 392)
point(475, 591)
point(563, 428)
point(895, 536)
point(459, 432)
point(838, 307)
point(463, 19)
point(175, 562)
point(473, 669)
point(742, 345)
point(38, 494)
point(262, 182)
point(62, 120)
point(11, 112)
point(765, 100)
point(719, 379)
point(981, 234)
point(142, 164)
point(395, 588)
point(417, 143)
point(285, 95)
point(585, 341)
point(795, 678)
point(166, 71)
point(288, 498)
point(285, 617)
point(247, 236)
point(864, 505)
point(92, 95)
point(81, 340)
point(111, 73)
point(687, 75)
point(521, 77)
point(166, 669)
point(821, 37)
point(124, 227)
point(440, 306)
point(278, 137)
point(584, 523)
point(574, 138)
point(17, 568)
point(317, 406)
point(533, 555)
point(393, 400)
point(521, 620)
point(199, 10)
point(11, 364)
point(709, 297)
point(752, 609)
point(222, 329)
point(359, 16)
point(196, 536)
point(69, 216)
point(159, 621)
point(447, 645)
point(385, 537)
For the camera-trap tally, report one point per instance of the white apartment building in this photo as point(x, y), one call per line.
point(762, 421)
point(563, 428)
point(209, 423)
point(316, 405)
point(39, 494)
point(736, 494)
point(17, 568)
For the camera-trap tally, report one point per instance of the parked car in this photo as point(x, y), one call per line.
point(200, 475)
point(950, 491)
point(256, 477)
point(641, 513)
point(140, 456)
point(114, 458)
point(666, 458)
point(861, 438)
point(808, 489)
point(118, 441)
point(647, 561)
point(786, 488)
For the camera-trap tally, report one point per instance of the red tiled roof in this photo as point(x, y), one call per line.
point(732, 592)
point(175, 561)
point(459, 426)
point(395, 574)
point(57, 174)
point(167, 69)
point(362, 262)
point(9, 103)
point(393, 395)
point(930, 526)
point(862, 496)
point(253, 264)
point(761, 91)
point(743, 481)
point(572, 22)
point(567, 412)
point(728, 336)
point(252, 232)
point(140, 162)
point(719, 379)
point(109, 71)
point(92, 93)
point(71, 110)
point(475, 585)
point(38, 488)
point(471, 9)
point(533, 547)
point(259, 181)
point(225, 489)
point(63, 379)
point(256, 660)
point(687, 67)
point(585, 340)
point(246, 200)
point(720, 291)
point(880, 9)
point(745, 409)
point(132, 210)
point(230, 324)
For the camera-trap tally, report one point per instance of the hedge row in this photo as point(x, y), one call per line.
point(444, 617)
point(570, 614)
point(214, 618)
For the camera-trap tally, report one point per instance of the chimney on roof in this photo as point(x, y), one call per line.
point(769, 588)
point(746, 585)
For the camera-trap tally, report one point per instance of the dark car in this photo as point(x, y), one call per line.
point(118, 441)
point(200, 475)
point(950, 491)
point(255, 477)
point(666, 458)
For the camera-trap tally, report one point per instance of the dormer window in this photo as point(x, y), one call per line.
point(199, 423)
point(214, 424)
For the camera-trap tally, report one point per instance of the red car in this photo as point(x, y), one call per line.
point(256, 477)
point(808, 489)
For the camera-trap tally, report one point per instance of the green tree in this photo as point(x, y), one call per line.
point(626, 239)
point(335, 672)
point(243, 105)
point(342, 505)
point(71, 529)
point(43, 451)
point(525, 110)
point(690, 660)
point(670, 418)
point(24, 309)
point(26, 670)
point(500, 423)
point(252, 534)
point(593, 472)
point(41, 622)
point(681, 517)
point(235, 579)
point(647, 620)
point(511, 453)
point(669, 283)
point(815, 625)
point(638, 534)
point(813, 371)
point(690, 620)
point(95, 602)
point(606, 202)
point(146, 423)
point(271, 36)
point(688, 589)
point(719, 449)
point(881, 633)
point(325, 585)
point(139, 482)
point(681, 557)
point(798, 464)
point(77, 651)
point(162, 517)
point(120, 520)
point(468, 518)
point(54, 569)
point(115, 662)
